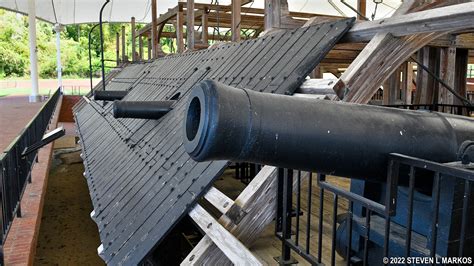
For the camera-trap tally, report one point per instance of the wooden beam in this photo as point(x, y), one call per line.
point(447, 74)
point(460, 81)
point(278, 16)
point(464, 40)
point(124, 52)
point(204, 26)
point(140, 48)
point(450, 18)
point(236, 9)
point(134, 48)
point(410, 87)
point(257, 203)
point(426, 89)
point(272, 14)
point(150, 50)
point(162, 19)
point(218, 199)
point(223, 239)
point(391, 89)
point(117, 47)
point(190, 24)
point(154, 32)
point(179, 31)
point(379, 59)
point(362, 8)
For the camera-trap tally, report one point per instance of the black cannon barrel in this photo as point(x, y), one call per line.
point(142, 109)
point(352, 140)
point(109, 95)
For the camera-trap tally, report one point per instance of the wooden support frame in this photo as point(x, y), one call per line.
point(124, 51)
point(150, 49)
point(179, 30)
point(460, 82)
point(154, 32)
point(380, 58)
point(117, 47)
point(133, 30)
point(273, 14)
point(245, 218)
point(235, 251)
point(449, 18)
point(362, 8)
point(190, 24)
point(447, 73)
point(205, 26)
point(236, 19)
point(140, 48)
point(218, 199)
point(410, 87)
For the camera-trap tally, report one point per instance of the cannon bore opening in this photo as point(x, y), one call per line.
point(193, 118)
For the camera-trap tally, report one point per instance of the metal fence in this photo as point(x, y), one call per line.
point(367, 223)
point(15, 169)
point(375, 224)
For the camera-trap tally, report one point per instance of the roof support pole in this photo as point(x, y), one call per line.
point(447, 73)
point(272, 14)
point(190, 24)
point(179, 29)
point(236, 9)
point(117, 47)
point(134, 34)
point(34, 97)
point(124, 51)
point(205, 26)
point(140, 48)
point(150, 49)
point(154, 32)
point(58, 28)
point(362, 8)
point(277, 15)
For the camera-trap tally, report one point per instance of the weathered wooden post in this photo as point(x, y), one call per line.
point(236, 17)
point(190, 24)
point(179, 29)
point(124, 52)
point(134, 33)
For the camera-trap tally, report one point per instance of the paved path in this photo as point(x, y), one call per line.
point(15, 113)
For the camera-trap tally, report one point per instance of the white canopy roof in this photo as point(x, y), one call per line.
point(87, 11)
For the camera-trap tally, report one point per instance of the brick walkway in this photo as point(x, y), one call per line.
point(20, 245)
point(15, 113)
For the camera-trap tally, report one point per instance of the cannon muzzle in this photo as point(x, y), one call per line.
point(109, 95)
point(142, 109)
point(352, 140)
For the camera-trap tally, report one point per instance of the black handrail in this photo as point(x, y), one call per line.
point(102, 43)
point(15, 169)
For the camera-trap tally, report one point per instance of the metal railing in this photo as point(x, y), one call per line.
point(369, 223)
point(15, 169)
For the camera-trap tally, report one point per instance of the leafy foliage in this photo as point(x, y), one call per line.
point(14, 47)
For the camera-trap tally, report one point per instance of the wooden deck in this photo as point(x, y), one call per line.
point(268, 246)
